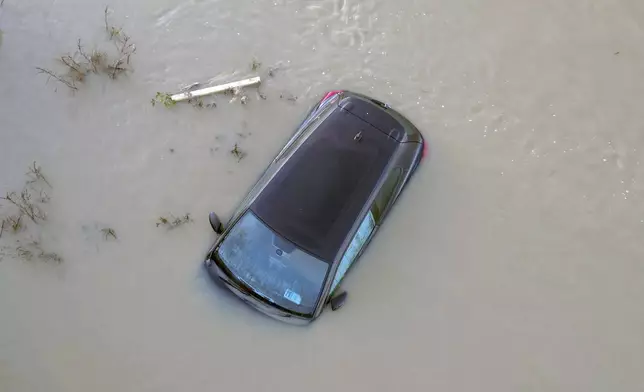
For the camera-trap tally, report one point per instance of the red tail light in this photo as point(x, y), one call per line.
point(331, 94)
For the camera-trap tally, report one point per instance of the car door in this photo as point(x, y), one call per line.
point(357, 244)
point(386, 196)
point(381, 205)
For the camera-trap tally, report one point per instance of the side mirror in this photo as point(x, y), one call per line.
point(215, 223)
point(338, 300)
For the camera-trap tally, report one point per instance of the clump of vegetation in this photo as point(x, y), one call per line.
point(35, 174)
point(233, 91)
point(26, 205)
point(238, 153)
point(172, 222)
point(82, 63)
point(163, 98)
point(67, 80)
point(33, 249)
point(24, 253)
point(255, 64)
point(108, 233)
point(237, 93)
point(44, 197)
point(289, 97)
point(199, 103)
point(25, 202)
point(112, 31)
point(12, 222)
point(50, 256)
point(196, 102)
point(124, 46)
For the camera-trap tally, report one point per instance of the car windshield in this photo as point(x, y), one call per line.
point(271, 266)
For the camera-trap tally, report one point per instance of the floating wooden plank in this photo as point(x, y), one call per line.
point(215, 89)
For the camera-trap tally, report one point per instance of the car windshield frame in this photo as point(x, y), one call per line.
point(294, 301)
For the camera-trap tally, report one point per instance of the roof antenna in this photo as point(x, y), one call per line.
point(358, 137)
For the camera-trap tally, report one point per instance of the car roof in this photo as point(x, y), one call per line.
point(318, 194)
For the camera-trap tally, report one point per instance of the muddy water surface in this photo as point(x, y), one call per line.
point(514, 260)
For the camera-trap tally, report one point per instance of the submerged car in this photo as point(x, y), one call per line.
point(317, 206)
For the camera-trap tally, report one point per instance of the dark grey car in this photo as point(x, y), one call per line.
point(317, 206)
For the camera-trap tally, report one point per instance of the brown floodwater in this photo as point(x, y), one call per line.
point(514, 261)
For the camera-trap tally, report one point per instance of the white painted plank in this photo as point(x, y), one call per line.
point(216, 89)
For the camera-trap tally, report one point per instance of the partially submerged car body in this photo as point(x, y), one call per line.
point(314, 210)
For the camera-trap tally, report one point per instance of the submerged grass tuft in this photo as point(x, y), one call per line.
point(82, 63)
point(27, 204)
point(35, 174)
point(172, 222)
point(33, 250)
point(108, 233)
point(163, 98)
point(238, 153)
point(13, 222)
point(255, 64)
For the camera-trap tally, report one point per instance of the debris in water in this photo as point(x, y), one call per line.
point(50, 256)
point(25, 205)
point(14, 222)
point(60, 78)
point(215, 89)
point(94, 60)
point(81, 63)
point(24, 253)
point(238, 153)
point(232, 91)
point(44, 197)
point(111, 30)
point(255, 64)
point(109, 232)
point(272, 71)
point(289, 97)
point(198, 103)
point(163, 98)
point(35, 173)
point(30, 250)
point(25, 202)
point(172, 222)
